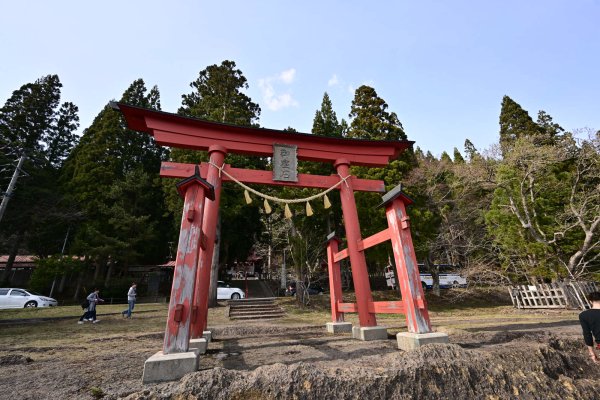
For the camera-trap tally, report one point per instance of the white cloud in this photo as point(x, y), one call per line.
point(278, 101)
point(333, 80)
point(288, 76)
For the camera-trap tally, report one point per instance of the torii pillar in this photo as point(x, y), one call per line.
point(175, 360)
point(415, 308)
point(368, 329)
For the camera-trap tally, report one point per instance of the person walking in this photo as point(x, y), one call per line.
point(90, 314)
point(131, 297)
point(590, 325)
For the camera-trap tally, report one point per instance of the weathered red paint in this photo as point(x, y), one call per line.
point(177, 131)
point(417, 317)
point(364, 244)
point(180, 170)
point(376, 307)
point(209, 228)
point(387, 307)
point(335, 280)
point(360, 276)
point(374, 240)
point(177, 332)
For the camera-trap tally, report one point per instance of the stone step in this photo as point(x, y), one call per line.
point(253, 300)
point(258, 316)
point(258, 308)
point(255, 312)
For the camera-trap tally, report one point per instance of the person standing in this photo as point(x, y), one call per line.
point(590, 324)
point(131, 297)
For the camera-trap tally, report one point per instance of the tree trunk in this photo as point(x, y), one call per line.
point(63, 281)
point(78, 287)
point(434, 270)
point(11, 257)
point(109, 273)
point(214, 268)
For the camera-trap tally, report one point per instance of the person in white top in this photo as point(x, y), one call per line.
point(131, 296)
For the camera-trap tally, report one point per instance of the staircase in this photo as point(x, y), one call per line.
point(255, 308)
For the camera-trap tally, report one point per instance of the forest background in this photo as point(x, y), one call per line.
point(524, 210)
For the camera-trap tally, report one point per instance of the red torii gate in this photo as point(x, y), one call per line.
point(188, 308)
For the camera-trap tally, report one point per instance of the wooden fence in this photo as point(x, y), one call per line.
point(571, 294)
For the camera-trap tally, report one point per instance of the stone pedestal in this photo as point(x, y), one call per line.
point(410, 341)
point(339, 327)
point(169, 367)
point(369, 333)
point(199, 345)
point(207, 335)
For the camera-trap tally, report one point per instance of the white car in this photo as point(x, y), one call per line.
point(21, 298)
point(446, 281)
point(224, 292)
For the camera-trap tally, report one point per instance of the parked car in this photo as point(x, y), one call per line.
point(313, 288)
point(225, 292)
point(446, 281)
point(21, 298)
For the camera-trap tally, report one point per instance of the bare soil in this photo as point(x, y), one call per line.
point(495, 353)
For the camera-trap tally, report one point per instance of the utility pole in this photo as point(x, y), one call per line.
point(11, 186)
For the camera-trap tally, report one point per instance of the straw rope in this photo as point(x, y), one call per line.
point(277, 199)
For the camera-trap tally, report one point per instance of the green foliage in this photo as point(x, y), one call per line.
point(34, 122)
point(370, 118)
point(218, 96)
point(47, 269)
point(111, 176)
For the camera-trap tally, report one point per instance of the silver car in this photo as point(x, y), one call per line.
point(21, 298)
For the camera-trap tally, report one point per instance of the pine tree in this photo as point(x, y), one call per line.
point(515, 123)
point(370, 118)
point(112, 176)
point(470, 150)
point(458, 158)
point(325, 122)
point(35, 124)
point(218, 96)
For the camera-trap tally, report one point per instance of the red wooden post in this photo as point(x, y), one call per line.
point(177, 333)
point(415, 308)
point(358, 262)
point(335, 278)
point(209, 229)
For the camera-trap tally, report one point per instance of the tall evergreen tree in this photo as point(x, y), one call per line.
point(325, 122)
point(218, 96)
point(515, 123)
point(470, 150)
point(370, 118)
point(458, 158)
point(112, 177)
point(34, 123)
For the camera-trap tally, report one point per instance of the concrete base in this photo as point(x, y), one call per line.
point(410, 341)
point(169, 367)
point(199, 345)
point(207, 335)
point(369, 333)
point(339, 327)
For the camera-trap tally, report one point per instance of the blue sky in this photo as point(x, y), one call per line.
point(442, 66)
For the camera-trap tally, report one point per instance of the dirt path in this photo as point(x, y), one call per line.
point(507, 355)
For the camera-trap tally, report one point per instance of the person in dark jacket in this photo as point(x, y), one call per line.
point(90, 314)
point(590, 324)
